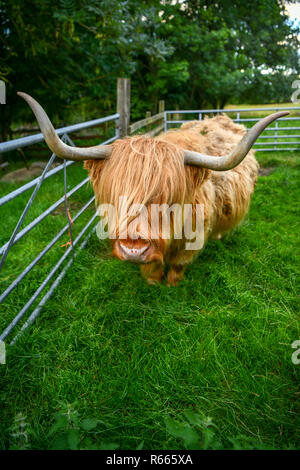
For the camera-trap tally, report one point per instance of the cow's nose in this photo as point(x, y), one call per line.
point(133, 253)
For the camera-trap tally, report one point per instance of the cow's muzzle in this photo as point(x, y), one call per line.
point(137, 251)
point(137, 255)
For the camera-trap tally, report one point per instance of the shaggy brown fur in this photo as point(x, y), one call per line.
point(151, 170)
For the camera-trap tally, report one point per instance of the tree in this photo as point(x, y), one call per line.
point(192, 53)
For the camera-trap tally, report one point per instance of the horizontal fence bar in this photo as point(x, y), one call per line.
point(144, 122)
point(108, 141)
point(43, 252)
point(233, 110)
point(278, 150)
point(282, 129)
point(45, 282)
point(36, 138)
point(277, 143)
point(258, 119)
point(245, 120)
point(179, 122)
point(287, 136)
point(155, 131)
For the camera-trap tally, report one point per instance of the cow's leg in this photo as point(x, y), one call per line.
point(178, 265)
point(153, 272)
point(175, 274)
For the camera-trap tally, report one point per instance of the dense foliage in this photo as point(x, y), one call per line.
point(192, 53)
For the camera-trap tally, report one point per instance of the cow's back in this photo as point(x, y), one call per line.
point(226, 194)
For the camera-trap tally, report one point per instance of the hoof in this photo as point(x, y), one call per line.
point(172, 282)
point(175, 275)
point(153, 282)
point(218, 236)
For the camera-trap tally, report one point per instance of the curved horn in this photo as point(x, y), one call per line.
point(98, 152)
point(238, 154)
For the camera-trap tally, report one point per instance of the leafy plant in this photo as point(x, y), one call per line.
point(19, 433)
point(200, 433)
point(71, 432)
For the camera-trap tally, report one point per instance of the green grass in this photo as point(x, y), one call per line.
point(259, 114)
point(133, 357)
point(269, 105)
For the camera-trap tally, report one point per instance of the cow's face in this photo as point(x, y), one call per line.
point(137, 186)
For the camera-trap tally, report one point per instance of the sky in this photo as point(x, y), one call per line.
point(294, 11)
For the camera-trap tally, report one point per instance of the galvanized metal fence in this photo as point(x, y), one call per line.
point(58, 271)
point(271, 142)
point(279, 139)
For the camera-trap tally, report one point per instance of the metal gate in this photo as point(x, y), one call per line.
point(59, 269)
point(282, 135)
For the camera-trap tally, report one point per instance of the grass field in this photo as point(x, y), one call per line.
point(266, 107)
point(112, 362)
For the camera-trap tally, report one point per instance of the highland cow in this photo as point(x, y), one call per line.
point(206, 163)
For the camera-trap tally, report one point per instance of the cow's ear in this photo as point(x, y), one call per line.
point(94, 168)
point(196, 176)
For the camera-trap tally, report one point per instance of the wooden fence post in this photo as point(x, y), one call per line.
point(123, 105)
point(176, 115)
point(148, 127)
point(161, 106)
